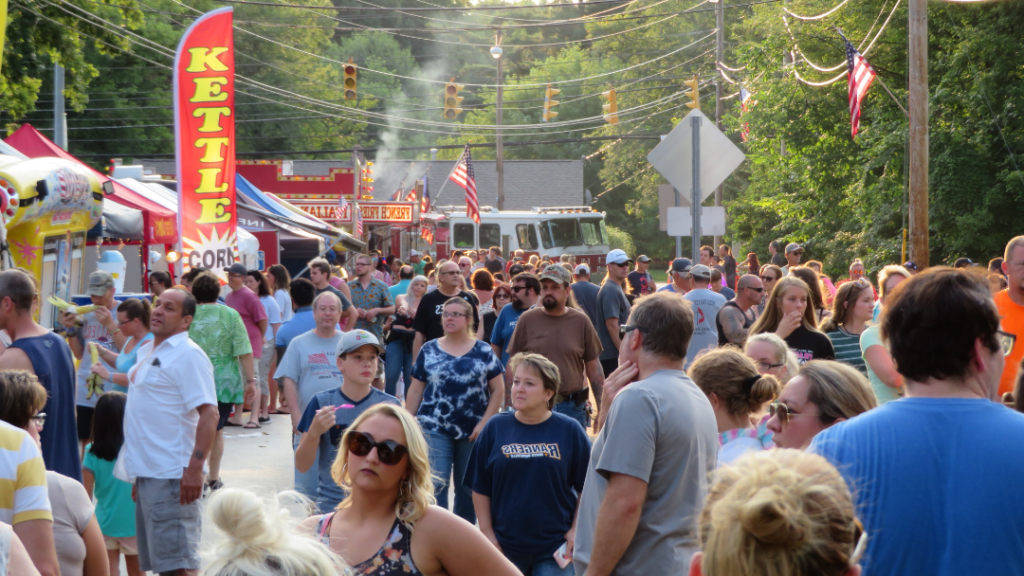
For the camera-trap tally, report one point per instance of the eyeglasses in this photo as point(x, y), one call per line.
point(447, 315)
point(626, 329)
point(389, 452)
point(766, 366)
point(758, 289)
point(449, 272)
point(40, 418)
point(1006, 340)
point(782, 411)
point(503, 296)
point(767, 278)
point(516, 289)
point(128, 321)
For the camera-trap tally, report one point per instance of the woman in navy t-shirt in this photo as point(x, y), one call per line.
point(527, 470)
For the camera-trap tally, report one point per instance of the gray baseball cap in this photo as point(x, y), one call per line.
point(701, 271)
point(99, 282)
point(356, 339)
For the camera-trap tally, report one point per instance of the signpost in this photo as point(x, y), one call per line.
point(694, 138)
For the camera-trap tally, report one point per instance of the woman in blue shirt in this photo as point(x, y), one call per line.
point(526, 472)
point(457, 385)
point(133, 321)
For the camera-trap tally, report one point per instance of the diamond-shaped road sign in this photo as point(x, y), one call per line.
point(718, 156)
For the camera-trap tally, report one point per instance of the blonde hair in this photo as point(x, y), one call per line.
point(779, 513)
point(889, 272)
point(783, 355)
point(732, 377)
point(549, 374)
point(415, 492)
point(838, 390)
point(769, 321)
point(259, 539)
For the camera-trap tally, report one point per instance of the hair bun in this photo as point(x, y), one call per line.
point(773, 520)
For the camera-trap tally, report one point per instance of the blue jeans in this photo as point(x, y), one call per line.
point(306, 483)
point(542, 565)
point(577, 413)
point(397, 361)
point(448, 461)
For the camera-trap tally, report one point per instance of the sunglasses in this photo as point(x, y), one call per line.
point(516, 289)
point(782, 411)
point(389, 452)
point(767, 278)
point(758, 289)
point(503, 296)
point(1006, 341)
point(626, 329)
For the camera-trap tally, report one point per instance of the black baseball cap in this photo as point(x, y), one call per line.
point(682, 265)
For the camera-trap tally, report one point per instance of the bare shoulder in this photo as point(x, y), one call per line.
point(308, 526)
point(15, 359)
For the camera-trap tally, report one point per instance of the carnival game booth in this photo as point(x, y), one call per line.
point(159, 224)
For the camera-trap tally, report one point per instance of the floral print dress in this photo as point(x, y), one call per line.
point(393, 559)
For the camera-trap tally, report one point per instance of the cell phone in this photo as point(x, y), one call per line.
point(562, 558)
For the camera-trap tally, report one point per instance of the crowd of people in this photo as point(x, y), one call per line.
point(742, 419)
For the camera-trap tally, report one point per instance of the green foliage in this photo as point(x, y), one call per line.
point(618, 238)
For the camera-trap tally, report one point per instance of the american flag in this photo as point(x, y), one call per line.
point(411, 196)
point(425, 200)
point(320, 358)
point(342, 206)
point(359, 222)
point(427, 233)
point(463, 176)
point(860, 77)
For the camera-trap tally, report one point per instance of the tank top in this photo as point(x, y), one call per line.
point(393, 559)
point(52, 362)
point(722, 340)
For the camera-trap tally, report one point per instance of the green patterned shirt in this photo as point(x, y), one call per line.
point(219, 331)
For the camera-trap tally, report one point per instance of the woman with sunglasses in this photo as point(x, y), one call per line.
point(133, 319)
point(770, 274)
point(502, 296)
point(772, 356)
point(822, 393)
point(885, 380)
point(790, 316)
point(527, 471)
point(457, 385)
point(387, 525)
point(851, 311)
point(398, 357)
point(779, 512)
point(736, 390)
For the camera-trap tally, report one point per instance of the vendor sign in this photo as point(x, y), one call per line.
point(204, 107)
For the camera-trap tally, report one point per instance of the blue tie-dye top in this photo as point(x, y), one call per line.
point(456, 392)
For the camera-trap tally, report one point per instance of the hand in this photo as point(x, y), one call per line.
point(191, 484)
point(323, 421)
point(104, 317)
point(250, 390)
point(476, 431)
point(493, 539)
point(68, 320)
point(135, 493)
point(404, 310)
point(623, 376)
point(98, 368)
point(788, 324)
point(361, 313)
point(370, 315)
point(570, 541)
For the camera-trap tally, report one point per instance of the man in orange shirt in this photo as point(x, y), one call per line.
point(1010, 303)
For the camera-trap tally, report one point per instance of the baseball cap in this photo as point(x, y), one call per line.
point(617, 256)
point(558, 273)
point(99, 282)
point(237, 268)
point(413, 253)
point(356, 339)
point(583, 269)
point(700, 271)
point(910, 265)
point(643, 258)
point(682, 265)
point(793, 247)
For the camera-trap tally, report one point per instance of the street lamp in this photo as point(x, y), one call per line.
point(496, 52)
point(499, 149)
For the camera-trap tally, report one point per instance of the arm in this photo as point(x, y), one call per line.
point(732, 324)
point(418, 341)
point(414, 395)
point(96, 563)
point(353, 316)
point(496, 385)
point(291, 395)
point(108, 356)
point(19, 561)
point(880, 361)
point(596, 376)
point(106, 317)
point(458, 548)
point(248, 364)
point(612, 324)
point(617, 380)
point(482, 505)
point(37, 536)
point(617, 521)
point(305, 454)
point(16, 359)
point(88, 480)
point(262, 324)
point(192, 478)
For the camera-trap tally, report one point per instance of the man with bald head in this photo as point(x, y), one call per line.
point(735, 318)
point(427, 323)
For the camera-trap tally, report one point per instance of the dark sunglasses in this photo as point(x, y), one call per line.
point(767, 279)
point(389, 453)
point(758, 289)
point(782, 411)
point(516, 289)
point(626, 329)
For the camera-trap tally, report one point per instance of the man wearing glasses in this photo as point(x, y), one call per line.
point(737, 315)
point(525, 292)
point(427, 323)
point(371, 298)
point(794, 252)
point(612, 308)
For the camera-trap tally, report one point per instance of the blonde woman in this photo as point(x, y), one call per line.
point(388, 525)
point(257, 540)
point(790, 316)
point(772, 356)
point(736, 391)
point(885, 380)
point(398, 358)
point(781, 512)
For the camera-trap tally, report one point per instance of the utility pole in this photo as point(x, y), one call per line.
point(918, 104)
point(719, 107)
point(499, 149)
point(60, 134)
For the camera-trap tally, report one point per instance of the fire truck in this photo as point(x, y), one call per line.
point(550, 231)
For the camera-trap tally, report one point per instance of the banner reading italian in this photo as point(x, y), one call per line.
point(204, 120)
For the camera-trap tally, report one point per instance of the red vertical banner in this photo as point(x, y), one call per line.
point(204, 121)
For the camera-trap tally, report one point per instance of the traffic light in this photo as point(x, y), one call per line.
point(611, 109)
point(350, 71)
point(452, 99)
point(549, 93)
point(693, 93)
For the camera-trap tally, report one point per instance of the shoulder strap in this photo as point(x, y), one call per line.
point(325, 524)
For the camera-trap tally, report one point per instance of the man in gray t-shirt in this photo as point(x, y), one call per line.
point(705, 304)
point(653, 456)
point(612, 308)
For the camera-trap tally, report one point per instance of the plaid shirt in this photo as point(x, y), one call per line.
point(376, 295)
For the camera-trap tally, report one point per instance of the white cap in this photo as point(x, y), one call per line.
point(583, 269)
point(617, 257)
point(413, 253)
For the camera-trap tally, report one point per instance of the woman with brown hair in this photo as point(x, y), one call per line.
point(736, 390)
point(851, 311)
point(789, 315)
point(133, 318)
point(483, 287)
point(810, 277)
point(751, 265)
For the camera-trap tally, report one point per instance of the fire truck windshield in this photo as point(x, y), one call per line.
point(594, 231)
point(562, 232)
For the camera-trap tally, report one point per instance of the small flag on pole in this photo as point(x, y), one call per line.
point(860, 77)
point(425, 200)
point(342, 207)
point(411, 196)
point(463, 176)
point(359, 222)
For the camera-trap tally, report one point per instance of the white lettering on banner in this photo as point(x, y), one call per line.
point(373, 212)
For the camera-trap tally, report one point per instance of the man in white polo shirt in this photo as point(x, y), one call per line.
point(170, 422)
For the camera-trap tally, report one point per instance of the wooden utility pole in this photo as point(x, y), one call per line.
point(918, 104)
point(719, 107)
point(499, 149)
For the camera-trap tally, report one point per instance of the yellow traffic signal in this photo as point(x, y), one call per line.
point(693, 93)
point(549, 93)
point(452, 99)
point(611, 109)
point(349, 73)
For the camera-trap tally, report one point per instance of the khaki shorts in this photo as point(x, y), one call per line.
point(127, 545)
